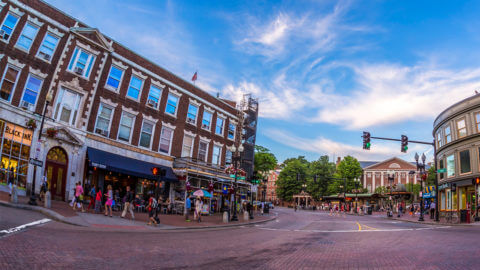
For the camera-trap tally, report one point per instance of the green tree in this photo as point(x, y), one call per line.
point(287, 183)
point(264, 161)
point(323, 169)
point(381, 190)
point(415, 189)
point(350, 169)
point(302, 160)
point(432, 174)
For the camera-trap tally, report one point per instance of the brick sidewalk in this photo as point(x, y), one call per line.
point(414, 218)
point(141, 218)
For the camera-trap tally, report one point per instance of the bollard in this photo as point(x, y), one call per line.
point(225, 217)
point(14, 197)
point(48, 200)
point(246, 216)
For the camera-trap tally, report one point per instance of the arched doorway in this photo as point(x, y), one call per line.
point(56, 171)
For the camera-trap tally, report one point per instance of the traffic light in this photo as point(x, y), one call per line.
point(366, 140)
point(158, 171)
point(476, 181)
point(404, 144)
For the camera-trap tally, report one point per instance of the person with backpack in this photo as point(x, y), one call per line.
point(151, 208)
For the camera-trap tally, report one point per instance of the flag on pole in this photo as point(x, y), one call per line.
point(194, 78)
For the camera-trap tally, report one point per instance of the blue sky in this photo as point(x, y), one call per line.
point(323, 71)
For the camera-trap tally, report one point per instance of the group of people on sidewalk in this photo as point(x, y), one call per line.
point(198, 209)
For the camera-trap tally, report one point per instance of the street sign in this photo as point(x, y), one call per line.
point(444, 170)
point(36, 162)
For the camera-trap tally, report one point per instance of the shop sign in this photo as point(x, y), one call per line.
point(36, 162)
point(18, 134)
point(443, 186)
point(101, 166)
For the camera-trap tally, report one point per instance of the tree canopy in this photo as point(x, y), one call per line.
point(264, 161)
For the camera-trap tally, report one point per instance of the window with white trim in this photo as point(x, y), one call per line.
point(154, 96)
point(207, 119)
point(192, 114)
point(114, 78)
point(172, 103)
point(448, 135)
point(166, 140)
point(9, 81)
point(66, 108)
point(202, 150)
point(187, 146)
point(146, 134)
point(27, 36)
point(461, 128)
point(30, 93)
point(49, 44)
point(126, 125)
point(104, 117)
point(231, 131)
point(439, 139)
point(135, 87)
point(81, 62)
point(228, 157)
point(8, 26)
point(216, 154)
point(219, 126)
point(451, 166)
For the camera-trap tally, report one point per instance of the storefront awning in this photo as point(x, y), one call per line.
point(134, 167)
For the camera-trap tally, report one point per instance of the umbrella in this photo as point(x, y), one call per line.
point(202, 193)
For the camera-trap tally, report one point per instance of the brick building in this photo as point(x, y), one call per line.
point(272, 185)
point(113, 114)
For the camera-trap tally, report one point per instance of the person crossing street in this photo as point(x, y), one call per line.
point(129, 197)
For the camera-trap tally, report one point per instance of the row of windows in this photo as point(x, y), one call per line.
point(450, 163)
point(444, 135)
point(28, 35)
point(153, 100)
point(126, 126)
point(30, 91)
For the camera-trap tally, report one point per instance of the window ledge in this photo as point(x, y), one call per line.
point(109, 88)
point(40, 58)
point(171, 115)
point(80, 76)
point(206, 129)
point(4, 41)
point(191, 124)
point(129, 97)
point(22, 49)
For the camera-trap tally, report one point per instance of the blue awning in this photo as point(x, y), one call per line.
point(134, 167)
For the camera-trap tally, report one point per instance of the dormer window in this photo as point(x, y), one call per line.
point(81, 62)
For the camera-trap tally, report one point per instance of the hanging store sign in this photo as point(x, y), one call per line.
point(18, 134)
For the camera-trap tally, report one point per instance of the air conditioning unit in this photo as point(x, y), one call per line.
point(4, 35)
point(205, 126)
point(25, 105)
point(45, 56)
point(152, 103)
point(104, 133)
point(190, 120)
point(78, 70)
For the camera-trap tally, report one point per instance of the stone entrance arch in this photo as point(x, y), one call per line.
point(56, 172)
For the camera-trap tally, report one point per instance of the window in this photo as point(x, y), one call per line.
point(465, 162)
point(187, 146)
point(66, 109)
point(28, 35)
point(114, 78)
point(477, 121)
point(165, 140)
point(32, 88)
point(450, 166)
point(461, 128)
point(172, 103)
point(146, 134)
point(219, 126)
point(154, 96)
point(8, 83)
point(439, 139)
point(134, 88)
point(228, 157)
point(216, 155)
point(231, 131)
point(448, 136)
point(126, 126)
point(48, 46)
point(441, 166)
point(192, 114)
point(202, 151)
point(207, 119)
point(104, 116)
point(9, 25)
point(81, 62)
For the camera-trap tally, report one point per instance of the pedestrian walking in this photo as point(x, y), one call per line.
point(92, 195)
point(98, 201)
point(198, 209)
point(129, 197)
point(188, 207)
point(78, 197)
point(432, 210)
point(151, 208)
point(43, 188)
point(109, 201)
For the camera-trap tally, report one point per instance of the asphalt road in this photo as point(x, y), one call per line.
point(297, 240)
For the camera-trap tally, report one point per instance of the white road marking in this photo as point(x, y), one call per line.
point(348, 231)
point(21, 227)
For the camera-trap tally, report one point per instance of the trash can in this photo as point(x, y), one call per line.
point(266, 209)
point(463, 216)
point(370, 210)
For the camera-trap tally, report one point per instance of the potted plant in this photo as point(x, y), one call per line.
point(52, 132)
point(31, 124)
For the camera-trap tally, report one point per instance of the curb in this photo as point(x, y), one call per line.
point(432, 223)
point(220, 226)
point(47, 212)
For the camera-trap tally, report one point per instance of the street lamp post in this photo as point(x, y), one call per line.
point(33, 198)
point(421, 169)
point(236, 159)
point(391, 179)
point(357, 181)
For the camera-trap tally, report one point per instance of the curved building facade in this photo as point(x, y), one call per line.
point(457, 138)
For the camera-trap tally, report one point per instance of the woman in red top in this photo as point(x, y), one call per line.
point(98, 201)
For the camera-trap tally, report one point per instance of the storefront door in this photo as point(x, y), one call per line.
point(56, 167)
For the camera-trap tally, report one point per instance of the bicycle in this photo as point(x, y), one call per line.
point(451, 217)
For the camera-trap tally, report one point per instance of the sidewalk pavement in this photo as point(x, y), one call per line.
point(63, 212)
point(414, 219)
